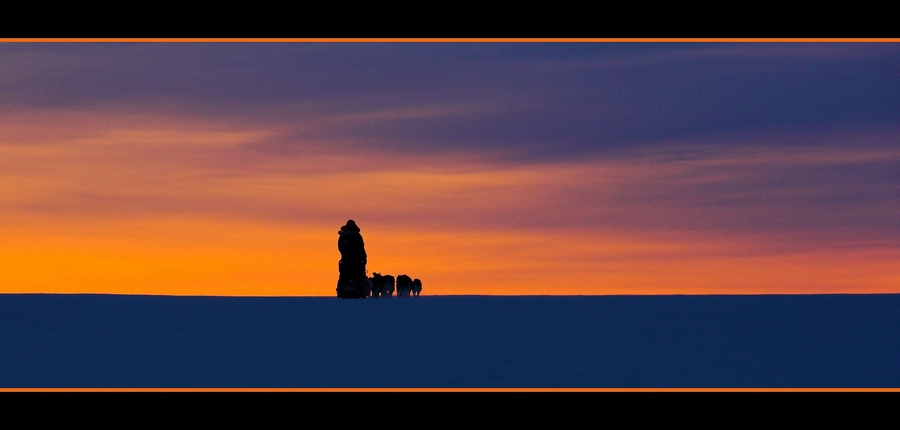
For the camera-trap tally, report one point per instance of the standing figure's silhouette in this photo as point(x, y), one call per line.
point(352, 280)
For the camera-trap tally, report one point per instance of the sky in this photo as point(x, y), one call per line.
point(481, 167)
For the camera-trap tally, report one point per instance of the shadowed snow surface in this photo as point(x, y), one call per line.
point(769, 341)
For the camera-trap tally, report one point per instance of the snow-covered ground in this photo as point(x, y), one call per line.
point(774, 341)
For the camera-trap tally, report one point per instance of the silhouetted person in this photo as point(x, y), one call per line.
point(352, 267)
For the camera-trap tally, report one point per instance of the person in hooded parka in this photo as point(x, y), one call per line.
point(352, 266)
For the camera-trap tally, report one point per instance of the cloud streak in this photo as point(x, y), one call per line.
point(529, 101)
point(647, 221)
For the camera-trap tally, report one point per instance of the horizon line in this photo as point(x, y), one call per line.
point(458, 39)
point(450, 295)
point(581, 389)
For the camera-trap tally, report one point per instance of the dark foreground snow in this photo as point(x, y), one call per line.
point(773, 341)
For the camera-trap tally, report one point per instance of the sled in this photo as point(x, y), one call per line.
point(351, 289)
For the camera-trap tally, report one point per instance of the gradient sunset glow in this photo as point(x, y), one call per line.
point(480, 168)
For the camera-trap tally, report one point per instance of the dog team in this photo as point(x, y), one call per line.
point(384, 286)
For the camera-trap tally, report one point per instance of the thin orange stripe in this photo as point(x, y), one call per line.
point(455, 40)
point(450, 389)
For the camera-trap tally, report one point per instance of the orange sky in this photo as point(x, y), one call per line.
point(110, 201)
